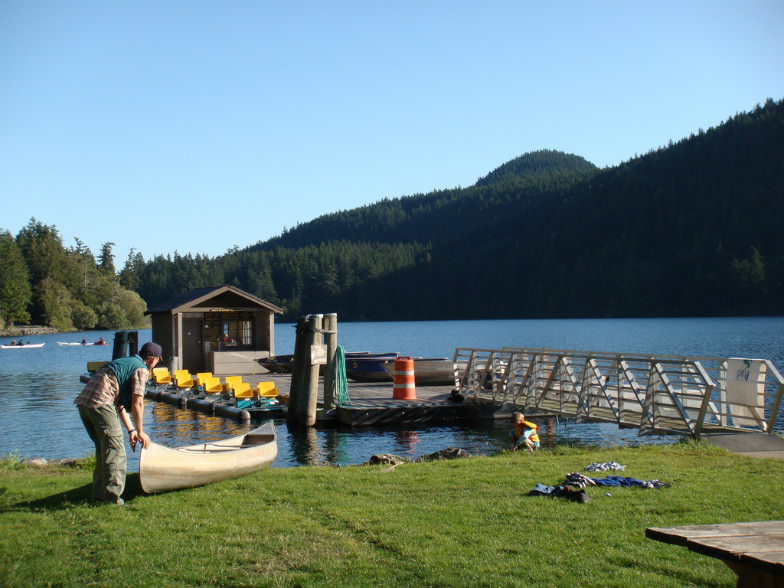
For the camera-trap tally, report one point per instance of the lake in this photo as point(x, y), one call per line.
point(39, 419)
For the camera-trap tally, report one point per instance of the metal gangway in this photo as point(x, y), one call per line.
point(658, 395)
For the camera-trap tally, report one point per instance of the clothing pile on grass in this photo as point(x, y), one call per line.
point(573, 487)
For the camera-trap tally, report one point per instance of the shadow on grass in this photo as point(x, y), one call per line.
point(74, 497)
point(683, 577)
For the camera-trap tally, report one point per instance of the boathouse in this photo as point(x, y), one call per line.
point(222, 330)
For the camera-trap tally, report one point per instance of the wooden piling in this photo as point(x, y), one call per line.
point(331, 340)
point(303, 397)
point(296, 399)
point(311, 373)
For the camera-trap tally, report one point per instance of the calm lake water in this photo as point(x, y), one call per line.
point(38, 417)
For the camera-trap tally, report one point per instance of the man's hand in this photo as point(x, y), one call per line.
point(145, 439)
point(136, 437)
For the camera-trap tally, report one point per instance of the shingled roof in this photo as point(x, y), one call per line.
point(212, 298)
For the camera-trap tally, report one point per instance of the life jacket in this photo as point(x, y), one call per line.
point(123, 368)
point(520, 429)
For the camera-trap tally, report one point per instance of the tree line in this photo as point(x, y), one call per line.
point(690, 229)
point(46, 283)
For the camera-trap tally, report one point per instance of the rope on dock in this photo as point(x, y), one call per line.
point(341, 383)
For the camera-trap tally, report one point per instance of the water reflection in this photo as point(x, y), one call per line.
point(304, 445)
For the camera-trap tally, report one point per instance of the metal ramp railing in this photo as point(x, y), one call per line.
point(661, 394)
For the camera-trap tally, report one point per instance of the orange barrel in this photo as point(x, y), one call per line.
point(403, 386)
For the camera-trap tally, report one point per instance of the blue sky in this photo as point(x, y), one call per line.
point(196, 126)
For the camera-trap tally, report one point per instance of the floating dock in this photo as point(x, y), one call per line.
point(369, 405)
point(658, 395)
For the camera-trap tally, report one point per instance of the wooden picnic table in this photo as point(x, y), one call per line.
point(754, 551)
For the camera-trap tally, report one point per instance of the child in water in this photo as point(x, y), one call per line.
point(524, 434)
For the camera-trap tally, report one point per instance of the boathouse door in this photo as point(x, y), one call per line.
point(192, 353)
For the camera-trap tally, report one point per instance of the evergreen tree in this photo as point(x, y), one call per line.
point(106, 258)
point(15, 292)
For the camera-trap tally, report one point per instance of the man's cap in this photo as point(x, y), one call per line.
point(152, 349)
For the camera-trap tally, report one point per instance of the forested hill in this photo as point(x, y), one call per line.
point(690, 229)
point(436, 216)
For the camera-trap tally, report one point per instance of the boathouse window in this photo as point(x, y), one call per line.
point(237, 332)
point(229, 330)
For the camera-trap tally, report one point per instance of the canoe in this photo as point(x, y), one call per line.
point(25, 346)
point(65, 343)
point(164, 468)
point(438, 371)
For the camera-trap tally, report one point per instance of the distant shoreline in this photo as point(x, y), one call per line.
point(25, 330)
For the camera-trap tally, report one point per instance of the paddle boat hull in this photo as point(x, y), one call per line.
point(24, 346)
point(163, 468)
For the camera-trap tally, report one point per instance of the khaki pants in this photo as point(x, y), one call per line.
point(529, 445)
point(103, 426)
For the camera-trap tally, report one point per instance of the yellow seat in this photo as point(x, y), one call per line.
point(243, 390)
point(267, 389)
point(212, 385)
point(201, 377)
point(230, 382)
point(161, 375)
point(183, 379)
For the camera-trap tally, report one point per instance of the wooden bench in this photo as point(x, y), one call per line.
point(754, 551)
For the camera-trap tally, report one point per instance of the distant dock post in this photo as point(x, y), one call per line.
point(331, 341)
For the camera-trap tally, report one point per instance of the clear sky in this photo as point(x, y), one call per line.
point(195, 126)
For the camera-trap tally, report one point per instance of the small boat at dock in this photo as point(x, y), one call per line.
point(438, 371)
point(283, 364)
point(277, 364)
point(163, 468)
point(369, 368)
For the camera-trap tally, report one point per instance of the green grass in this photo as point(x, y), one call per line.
point(444, 524)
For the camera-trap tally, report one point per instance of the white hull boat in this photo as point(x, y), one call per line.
point(163, 468)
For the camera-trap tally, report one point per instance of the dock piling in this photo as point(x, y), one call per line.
point(331, 340)
point(303, 398)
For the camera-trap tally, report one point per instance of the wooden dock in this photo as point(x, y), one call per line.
point(370, 405)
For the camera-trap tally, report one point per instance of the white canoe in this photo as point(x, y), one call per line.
point(68, 343)
point(164, 468)
point(24, 346)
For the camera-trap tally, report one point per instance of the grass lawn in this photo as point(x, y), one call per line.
point(467, 522)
